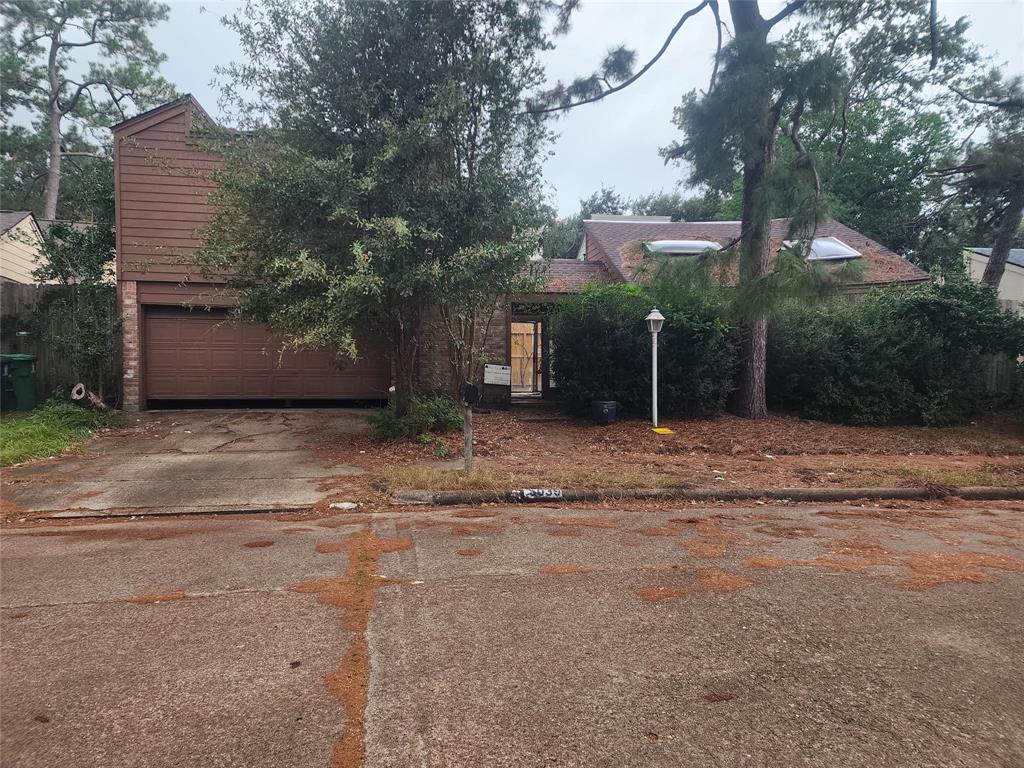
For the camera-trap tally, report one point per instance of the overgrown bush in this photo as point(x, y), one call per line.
point(429, 413)
point(911, 355)
point(602, 351)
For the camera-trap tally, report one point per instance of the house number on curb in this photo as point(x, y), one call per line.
point(540, 493)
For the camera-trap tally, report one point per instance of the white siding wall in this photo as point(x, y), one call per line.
point(1011, 286)
point(18, 252)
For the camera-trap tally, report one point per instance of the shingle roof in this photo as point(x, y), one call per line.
point(571, 275)
point(9, 219)
point(1016, 256)
point(616, 244)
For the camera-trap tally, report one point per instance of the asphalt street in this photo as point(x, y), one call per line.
point(488, 636)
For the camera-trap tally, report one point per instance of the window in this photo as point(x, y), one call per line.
point(824, 249)
point(681, 247)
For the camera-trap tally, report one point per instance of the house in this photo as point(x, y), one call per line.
point(615, 249)
point(20, 241)
point(178, 343)
point(1011, 286)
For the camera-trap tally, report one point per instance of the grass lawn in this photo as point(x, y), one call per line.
point(49, 430)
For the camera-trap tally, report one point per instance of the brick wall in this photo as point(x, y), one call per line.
point(434, 360)
point(130, 339)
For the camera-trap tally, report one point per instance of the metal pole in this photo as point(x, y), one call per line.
point(654, 378)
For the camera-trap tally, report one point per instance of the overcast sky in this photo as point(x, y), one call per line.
point(614, 142)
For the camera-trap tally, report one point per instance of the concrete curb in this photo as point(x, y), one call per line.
point(547, 495)
point(82, 514)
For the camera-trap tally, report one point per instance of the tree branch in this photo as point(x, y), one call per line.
point(794, 6)
point(933, 33)
point(1009, 103)
point(713, 4)
point(626, 83)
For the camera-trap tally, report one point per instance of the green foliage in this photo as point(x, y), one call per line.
point(81, 253)
point(902, 355)
point(77, 68)
point(49, 430)
point(377, 182)
point(81, 324)
point(427, 414)
point(603, 350)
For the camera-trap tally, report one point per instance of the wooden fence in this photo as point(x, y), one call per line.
point(43, 320)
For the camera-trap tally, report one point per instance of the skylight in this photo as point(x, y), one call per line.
point(682, 247)
point(824, 249)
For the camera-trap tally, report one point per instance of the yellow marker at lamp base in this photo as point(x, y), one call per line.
point(662, 430)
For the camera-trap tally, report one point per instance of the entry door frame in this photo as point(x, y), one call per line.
point(545, 346)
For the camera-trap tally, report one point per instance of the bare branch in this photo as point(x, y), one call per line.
point(626, 83)
point(933, 33)
point(1010, 103)
point(713, 4)
point(794, 6)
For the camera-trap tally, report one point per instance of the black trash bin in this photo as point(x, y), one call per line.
point(18, 381)
point(603, 411)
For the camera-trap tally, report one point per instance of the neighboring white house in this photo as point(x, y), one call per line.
point(1011, 286)
point(20, 238)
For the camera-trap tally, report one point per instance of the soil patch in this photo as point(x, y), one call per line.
point(468, 552)
point(258, 544)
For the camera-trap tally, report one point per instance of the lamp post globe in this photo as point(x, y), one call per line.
point(655, 320)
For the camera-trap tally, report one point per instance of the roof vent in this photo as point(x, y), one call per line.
point(824, 249)
point(682, 247)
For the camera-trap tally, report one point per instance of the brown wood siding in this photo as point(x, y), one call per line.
point(163, 187)
point(197, 295)
point(203, 355)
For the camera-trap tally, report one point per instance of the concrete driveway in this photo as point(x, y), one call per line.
point(189, 461)
point(817, 636)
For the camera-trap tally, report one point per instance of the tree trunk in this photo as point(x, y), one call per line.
point(405, 369)
point(467, 436)
point(54, 117)
point(751, 39)
point(1004, 237)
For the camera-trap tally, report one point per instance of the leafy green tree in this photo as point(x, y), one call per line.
point(73, 64)
point(562, 236)
point(389, 152)
point(763, 89)
point(704, 207)
point(991, 176)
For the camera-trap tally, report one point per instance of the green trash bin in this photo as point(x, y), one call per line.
point(18, 374)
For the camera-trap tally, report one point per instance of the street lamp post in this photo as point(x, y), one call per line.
point(654, 322)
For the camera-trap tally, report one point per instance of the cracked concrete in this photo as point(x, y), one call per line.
point(187, 460)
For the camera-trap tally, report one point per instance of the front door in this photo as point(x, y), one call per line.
point(527, 357)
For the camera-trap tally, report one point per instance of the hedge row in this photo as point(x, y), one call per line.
point(602, 351)
point(901, 355)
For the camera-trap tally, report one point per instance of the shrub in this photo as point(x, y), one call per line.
point(602, 351)
point(901, 355)
point(433, 413)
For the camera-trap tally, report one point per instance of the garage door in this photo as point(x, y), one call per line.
point(202, 355)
